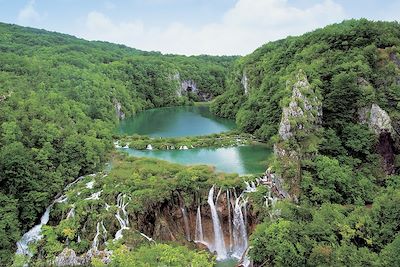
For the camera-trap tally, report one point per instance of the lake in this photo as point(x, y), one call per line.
point(194, 121)
point(175, 122)
point(242, 160)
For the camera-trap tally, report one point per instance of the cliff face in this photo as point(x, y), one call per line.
point(300, 119)
point(118, 110)
point(380, 123)
point(304, 112)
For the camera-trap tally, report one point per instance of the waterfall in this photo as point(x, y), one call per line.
point(89, 185)
point(149, 147)
point(229, 220)
point(123, 221)
point(94, 196)
point(100, 229)
point(239, 230)
point(71, 213)
point(244, 204)
point(34, 234)
point(186, 222)
point(219, 243)
point(199, 236)
point(95, 243)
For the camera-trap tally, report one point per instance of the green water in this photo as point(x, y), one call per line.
point(227, 263)
point(194, 121)
point(175, 122)
point(241, 160)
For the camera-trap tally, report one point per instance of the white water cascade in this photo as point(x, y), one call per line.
point(186, 222)
point(34, 234)
point(228, 201)
point(199, 236)
point(100, 229)
point(239, 229)
point(71, 213)
point(124, 219)
point(219, 243)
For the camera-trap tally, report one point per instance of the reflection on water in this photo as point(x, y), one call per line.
point(175, 122)
point(242, 160)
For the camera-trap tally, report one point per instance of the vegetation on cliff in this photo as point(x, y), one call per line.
point(152, 192)
point(335, 127)
point(226, 139)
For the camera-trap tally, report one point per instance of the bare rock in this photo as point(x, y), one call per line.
point(304, 106)
point(68, 257)
point(118, 110)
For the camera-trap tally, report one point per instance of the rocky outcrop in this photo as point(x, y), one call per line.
point(377, 119)
point(4, 97)
point(301, 119)
point(380, 123)
point(68, 257)
point(304, 108)
point(189, 86)
point(118, 110)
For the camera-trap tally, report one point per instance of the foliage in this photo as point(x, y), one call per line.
point(161, 255)
point(225, 139)
point(58, 100)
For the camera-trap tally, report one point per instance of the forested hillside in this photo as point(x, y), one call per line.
point(329, 101)
point(60, 98)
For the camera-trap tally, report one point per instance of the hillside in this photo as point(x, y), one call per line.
point(327, 101)
point(60, 98)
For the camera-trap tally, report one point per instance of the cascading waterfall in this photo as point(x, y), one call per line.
point(71, 213)
point(219, 243)
point(95, 243)
point(228, 200)
point(199, 236)
point(239, 230)
point(123, 221)
point(34, 234)
point(186, 222)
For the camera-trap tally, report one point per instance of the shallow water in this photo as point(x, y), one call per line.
point(242, 160)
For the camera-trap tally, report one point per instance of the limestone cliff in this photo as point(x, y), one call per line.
point(118, 110)
point(380, 123)
point(300, 120)
point(304, 111)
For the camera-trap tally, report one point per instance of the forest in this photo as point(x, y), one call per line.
point(343, 172)
point(61, 97)
point(58, 98)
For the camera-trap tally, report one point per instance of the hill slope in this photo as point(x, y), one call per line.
point(329, 101)
point(60, 97)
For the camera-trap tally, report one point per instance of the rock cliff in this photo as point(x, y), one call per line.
point(300, 120)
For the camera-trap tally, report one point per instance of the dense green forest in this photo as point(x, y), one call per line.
point(339, 165)
point(329, 102)
point(58, 101)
